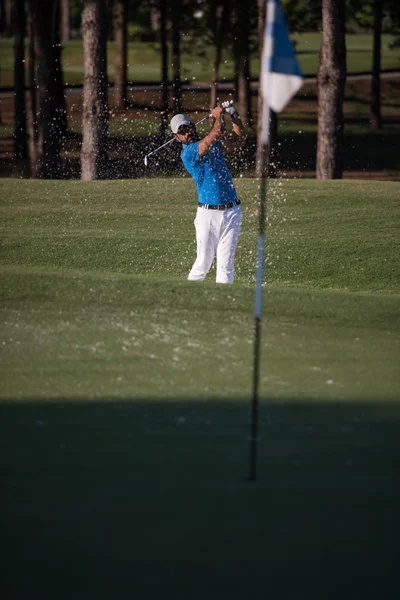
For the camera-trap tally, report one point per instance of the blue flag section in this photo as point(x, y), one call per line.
point(280, 76)
point(283, 59)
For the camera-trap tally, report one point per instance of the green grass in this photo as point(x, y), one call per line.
point(103, 266)
point(358, 49)
point(338, 235)
point(125, 395)
point(144, 59)
point(6, 130)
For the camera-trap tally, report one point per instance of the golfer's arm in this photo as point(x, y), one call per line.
point(235, 140)
point(212, 138)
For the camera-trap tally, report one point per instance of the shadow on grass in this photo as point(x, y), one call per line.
point(150, 499)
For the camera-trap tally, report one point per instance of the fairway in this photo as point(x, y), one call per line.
point(125, 394)
point(144, 59)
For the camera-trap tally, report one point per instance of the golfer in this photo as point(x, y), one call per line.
point(219, 213)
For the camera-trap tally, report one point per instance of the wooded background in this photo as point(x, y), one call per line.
point(202, 28)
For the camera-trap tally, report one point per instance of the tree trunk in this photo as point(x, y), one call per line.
point(2, 18)
point(33, 96)
point(65, 32)
point(94, 151)
point(20, 131)
point(376, 118)
point(331, 81)
point(242, 59)
point(217, 21)
point(164, 66)
point(48, 146)
point(176, 55)
point(261, 155)
point(61, 112)
point(220, 16)
point(8, 18)
point(120, 34)
point(235, 26)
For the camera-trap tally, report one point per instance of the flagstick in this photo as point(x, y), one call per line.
point(280, 79)
point(258, 298)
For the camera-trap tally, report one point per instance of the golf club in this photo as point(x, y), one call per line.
point(173, 140)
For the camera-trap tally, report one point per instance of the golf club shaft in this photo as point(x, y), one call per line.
point(173, 139)
point(202, 120)
point(159, 148)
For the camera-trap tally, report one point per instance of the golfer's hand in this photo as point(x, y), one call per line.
point(229, 108)
point(217, 112)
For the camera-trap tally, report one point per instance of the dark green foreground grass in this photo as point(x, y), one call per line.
point(125, 396)
point(136, 499)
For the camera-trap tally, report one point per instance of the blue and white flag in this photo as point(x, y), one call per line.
point(280, 77)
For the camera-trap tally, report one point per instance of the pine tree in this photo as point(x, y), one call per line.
point(94, 152)
point(331, 82)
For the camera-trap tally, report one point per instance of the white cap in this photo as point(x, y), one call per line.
point(179, 120)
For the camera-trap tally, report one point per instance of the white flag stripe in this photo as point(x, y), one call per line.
point(281, 87)
point(265, 124)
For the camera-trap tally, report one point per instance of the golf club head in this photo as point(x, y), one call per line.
point(145, 161)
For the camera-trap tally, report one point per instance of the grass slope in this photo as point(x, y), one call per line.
point(333, 235)
point(97, 304)
point(125, 392)
point(144, 59)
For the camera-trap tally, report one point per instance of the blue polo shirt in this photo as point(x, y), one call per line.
point(210, 173)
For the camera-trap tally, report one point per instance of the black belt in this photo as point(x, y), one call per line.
point(219, 206)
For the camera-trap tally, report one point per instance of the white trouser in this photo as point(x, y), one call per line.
point(217, 233)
